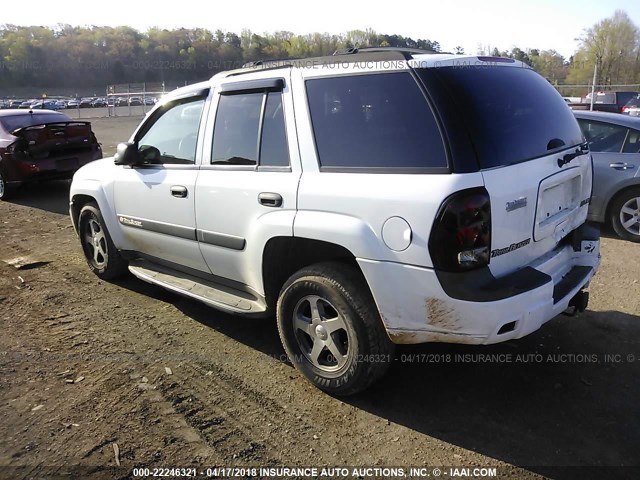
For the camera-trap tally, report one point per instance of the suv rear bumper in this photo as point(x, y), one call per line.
point(415, 308)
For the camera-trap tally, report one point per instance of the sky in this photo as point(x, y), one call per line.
point(542, 24)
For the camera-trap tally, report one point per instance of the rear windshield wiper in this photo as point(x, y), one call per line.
point(582, 149)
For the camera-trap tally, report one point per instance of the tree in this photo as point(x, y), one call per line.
point(550, 64)
point(613, 46)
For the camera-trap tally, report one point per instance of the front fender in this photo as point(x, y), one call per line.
point(102, 194)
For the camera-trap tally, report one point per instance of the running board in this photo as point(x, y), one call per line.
point(213, 294)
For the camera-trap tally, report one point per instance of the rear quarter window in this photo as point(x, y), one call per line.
point(374, 121)
point(512, 114)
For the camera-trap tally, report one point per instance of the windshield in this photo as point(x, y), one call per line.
point(13, 122)
point(512, 114)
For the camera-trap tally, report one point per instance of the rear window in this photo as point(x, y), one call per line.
point(634, 102)
point(602, 97)
point(13, 122)
point(512, 114)
point(374, 121)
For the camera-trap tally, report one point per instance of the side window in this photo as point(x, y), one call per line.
point(374, 121)
point(174, 134)
point(632, 145)
point(237, 136)
point(603, 137)
point(274, 151)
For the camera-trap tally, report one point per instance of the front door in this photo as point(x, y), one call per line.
point(155, 201)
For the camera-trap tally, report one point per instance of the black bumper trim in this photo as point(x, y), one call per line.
point(574, 277)
point(481, 286)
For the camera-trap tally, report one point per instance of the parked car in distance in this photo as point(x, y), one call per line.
point(38, 145)
point(46, 104)
point(73, 103)
point(411, 200)
point(614, 141)
point(632, 107)
point(99, 102)
point(27, 104)
point(613, 102)
point(135, 101)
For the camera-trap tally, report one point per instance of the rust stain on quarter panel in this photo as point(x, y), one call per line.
point(402, 337)
point(441, 314)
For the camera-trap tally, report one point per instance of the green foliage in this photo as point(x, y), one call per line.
point(613, 45)
point(76, 57)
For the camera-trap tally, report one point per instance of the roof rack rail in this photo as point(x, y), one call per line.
point(403, 50)
point(255, 63)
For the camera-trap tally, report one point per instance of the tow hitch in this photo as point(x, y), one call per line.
point(577, 304)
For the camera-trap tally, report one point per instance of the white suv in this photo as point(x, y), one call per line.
point(371, 198)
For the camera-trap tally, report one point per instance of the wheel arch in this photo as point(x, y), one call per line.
point(283, 256)
point(617, 194)
point(88, 191)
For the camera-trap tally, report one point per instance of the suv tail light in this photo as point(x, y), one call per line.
point(624, 109)
point(461, 236)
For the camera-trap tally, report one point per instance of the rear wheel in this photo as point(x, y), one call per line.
point(625, 215)
point(331, 329)
point(100, 252)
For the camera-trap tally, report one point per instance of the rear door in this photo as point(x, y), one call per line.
point(246, 191)
point(531, 155)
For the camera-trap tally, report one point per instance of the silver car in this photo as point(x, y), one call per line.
point(614, 141)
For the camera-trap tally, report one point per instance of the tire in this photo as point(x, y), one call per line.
point(101, 254)
point(625, 214)
point(343, 347)
point(5, 190)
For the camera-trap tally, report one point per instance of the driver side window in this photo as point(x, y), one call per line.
point(174, 134)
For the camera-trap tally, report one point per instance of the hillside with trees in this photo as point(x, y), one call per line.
point(76, 57)
point(68, 56)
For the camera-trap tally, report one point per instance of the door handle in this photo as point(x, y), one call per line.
point(621, 166)
point(269, 199)
point(179, 191)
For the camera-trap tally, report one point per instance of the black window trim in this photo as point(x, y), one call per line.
point(253, 86)
point(382, 170)
point(187, 98)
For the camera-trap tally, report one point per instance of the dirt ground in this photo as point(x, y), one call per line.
point(94, 375)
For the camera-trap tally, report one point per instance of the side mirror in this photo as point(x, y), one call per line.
point(126, 154)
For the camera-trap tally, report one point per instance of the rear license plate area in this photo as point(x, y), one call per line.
point(558, 199)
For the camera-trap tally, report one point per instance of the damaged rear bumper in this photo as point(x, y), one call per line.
point(419, 305)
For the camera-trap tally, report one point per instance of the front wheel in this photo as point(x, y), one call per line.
point(625, 215)
point(331, 329)
point(5, 189)
point(101, 254)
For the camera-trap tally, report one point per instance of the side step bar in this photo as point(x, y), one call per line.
point(213, 294)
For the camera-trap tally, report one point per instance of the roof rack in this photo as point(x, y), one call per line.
point(406, 52)
point(339, 56)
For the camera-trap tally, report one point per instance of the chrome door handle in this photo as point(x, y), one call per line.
point(269, 199)
point(179, 191)
point(621, 166)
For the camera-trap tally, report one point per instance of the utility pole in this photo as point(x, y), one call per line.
point(593, 84)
